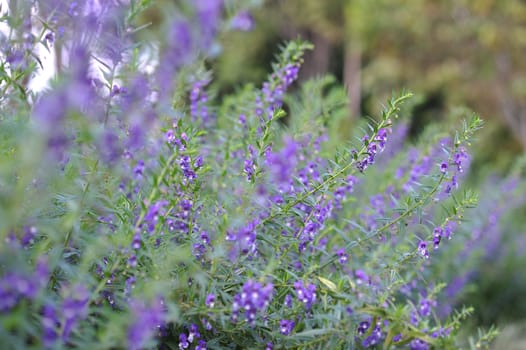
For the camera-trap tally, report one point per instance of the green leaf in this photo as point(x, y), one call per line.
point(329, 284)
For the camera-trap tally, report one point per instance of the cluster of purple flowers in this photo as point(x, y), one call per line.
point(250, 163)
point(274, 90)
point(374, 147)
point(147, 320)
point(60, 320)
point(185, 163)
point(314, 224)
point(306, 293)
point(344, 191)
point(282, 165)
point(286, 326)
point(193, 336)
point(244, 239)
point(376, 335)
point(25, 240)
point(254, 298)
point(16, 286)
point(202, 246)
point(198, 103)
point(460, 159)
point(242, 21)
point(154, 213)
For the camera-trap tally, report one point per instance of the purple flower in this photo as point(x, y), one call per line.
point(314, 224)
point(286, 326)
point(183, 341)
point(371, 340)
point(210, 300)
point(146, 320)
point(282, 164)
point(9, 296)
point(177, 52)
point(349, 310)
point(207, 324)
point(170, 136)
point(185, 163)
point(209, 15)
point(249, 169)
point(443, 167)
point(198, 100)
point(153, 214)
point(381, 138)
point(193, 333)
point(418, 344)
point(130, 284)
point(305, 293)
point(288, 301)
point(361, 277)
point(422, 249)
point(243, 21)
point(136, 242)
point(132, 260)
point(15, 286)
point(49, 37)
point(50, 325)
point(244, 239)
point(343, 257)
point(29, 235)
point(363, 327)
point(74, 308)
point(198, 163)
point(73, 9)
point(374, 147)
point(138, 171)
point(243, 119)
point(201, 345)
point(425, 306)
point(253, 298)
point(274, 90)
point(449, 228)
point(459, 158)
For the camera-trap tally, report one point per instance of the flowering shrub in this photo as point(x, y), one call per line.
point(138, 210)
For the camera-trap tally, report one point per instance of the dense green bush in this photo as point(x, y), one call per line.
point(139, 211)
